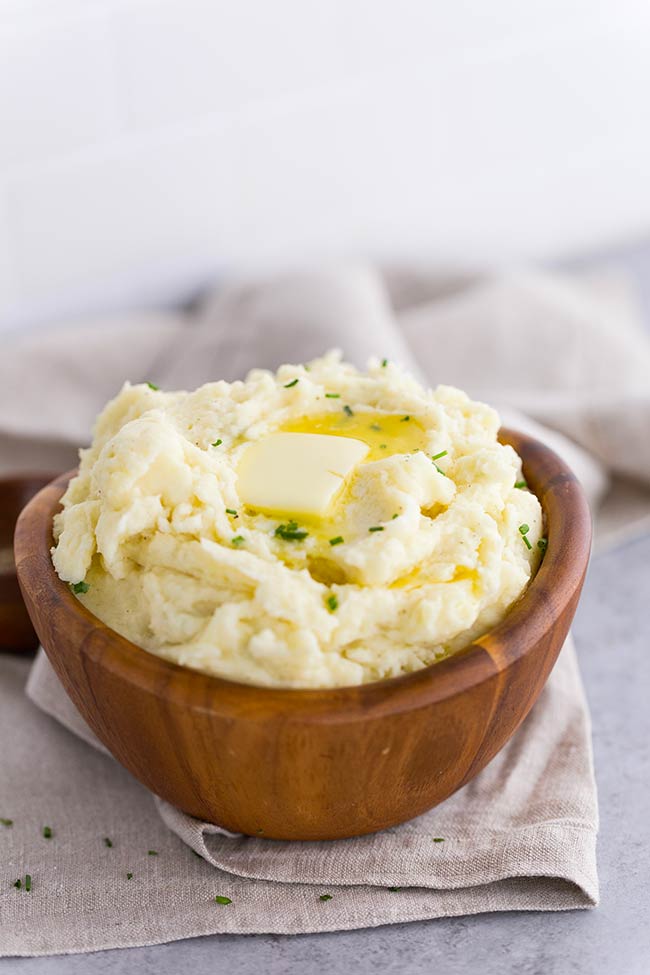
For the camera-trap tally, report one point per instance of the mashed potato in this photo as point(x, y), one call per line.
point(415, 557)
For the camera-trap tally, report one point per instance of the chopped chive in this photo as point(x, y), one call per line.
point(28, 882)
point(78, 587)
point(337, 541)
point(384, 363)
point(10, 822)
point(393, 889)
point(348, 410)
point(152, 853)
point(383, 446)
point(217, 443)
point(290, 532)
point(293, 382)
point(220, 899)
point(405, 419)
point(325, 897)
point(523, 530)
point(376, 528)
point(542, 545)
point(231, 511)
point(443, 453)
point(108, 841)
point(332, 603)
point(396, 515)
point(18, 884)
point(440, 470)
point(47, 832)
point(129, 876)
point(332, 395)
point(522, 485)
point(438, 839)
point(238, 540)
point(153, 386)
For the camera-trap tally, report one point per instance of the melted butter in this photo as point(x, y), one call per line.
point(417, 578)
point(385, 433)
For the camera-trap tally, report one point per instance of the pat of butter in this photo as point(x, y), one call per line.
point(297, 473)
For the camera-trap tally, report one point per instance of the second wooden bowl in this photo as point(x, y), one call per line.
point(313, 764)
point(16, 631)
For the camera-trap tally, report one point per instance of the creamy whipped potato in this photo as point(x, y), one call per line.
point(312, 528)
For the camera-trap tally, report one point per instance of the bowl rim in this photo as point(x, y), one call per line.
point(543, 603)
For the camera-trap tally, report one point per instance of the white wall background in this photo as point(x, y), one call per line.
point(148, 145)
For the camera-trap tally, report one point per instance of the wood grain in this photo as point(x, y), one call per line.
point(313, 764)
point(17, 634)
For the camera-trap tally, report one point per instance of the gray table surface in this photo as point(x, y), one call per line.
point(613, 637)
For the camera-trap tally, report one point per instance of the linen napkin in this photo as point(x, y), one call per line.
point(522, 834)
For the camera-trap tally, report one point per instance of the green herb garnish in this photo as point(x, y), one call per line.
point(376, 528)
point(153, 386)
point(47, 832)
point(438, 839)
point(523, 531)
point(108, 841)
point(290, 532)
point(332, 395)
point(220, 899)
point(542, 545)
point(238, 540)
point(337, 541)
point(152, 853)
point(217, 443)
point(293, 382)
point(231, 511)
point(325, 897)
point(383, 446)
point(443, 453)
point(332, 603)
point(394, 889)
point(28, 882)
point(10, 822)
point(384, 363)
point(405, 419)
point(348, 410)
point(18, 884)
point(78, 587)
point(521, 485)
point(129, 876)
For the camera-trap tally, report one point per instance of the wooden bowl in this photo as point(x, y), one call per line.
point(17, 634)
point(313, 764)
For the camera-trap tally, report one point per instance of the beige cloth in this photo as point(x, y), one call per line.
point(522, 834)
